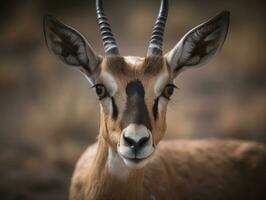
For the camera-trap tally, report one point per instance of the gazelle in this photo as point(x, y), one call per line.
point(129, 161)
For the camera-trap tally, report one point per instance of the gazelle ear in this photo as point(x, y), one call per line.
point(199, 44)
point(69, 45)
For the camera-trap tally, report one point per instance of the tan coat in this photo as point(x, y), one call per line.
point(180, 169)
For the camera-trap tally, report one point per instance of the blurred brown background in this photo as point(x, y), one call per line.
point(49, 114)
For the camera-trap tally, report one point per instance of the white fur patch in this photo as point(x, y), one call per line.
point(109, 82)
point(136, 132)
point(116, 165)
point(133, 60)
point(160, 83)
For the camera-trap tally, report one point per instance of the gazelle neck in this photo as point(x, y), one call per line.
point(110, 178)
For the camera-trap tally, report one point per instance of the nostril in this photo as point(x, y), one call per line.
point(143, 141)
point(135, 146)
point(129, 141)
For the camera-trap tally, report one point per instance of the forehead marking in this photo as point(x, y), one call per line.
point(136, 110)
point(133, 60)
point(135, 88)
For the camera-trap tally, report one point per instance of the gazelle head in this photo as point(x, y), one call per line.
point(134, 91)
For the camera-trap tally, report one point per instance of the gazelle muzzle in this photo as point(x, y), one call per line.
point(135, 145)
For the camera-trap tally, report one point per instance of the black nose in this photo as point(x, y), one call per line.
point(136, 145)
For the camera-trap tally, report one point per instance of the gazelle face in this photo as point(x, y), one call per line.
point(134, 92)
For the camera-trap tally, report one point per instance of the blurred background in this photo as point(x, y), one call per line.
point(49, 114)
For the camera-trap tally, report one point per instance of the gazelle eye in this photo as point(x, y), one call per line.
point(168, 91)
point(100, 91)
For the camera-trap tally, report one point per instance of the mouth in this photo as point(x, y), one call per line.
point(135, 162)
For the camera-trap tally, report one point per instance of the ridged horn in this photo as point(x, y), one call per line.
point(109, 43)
point(156, 41)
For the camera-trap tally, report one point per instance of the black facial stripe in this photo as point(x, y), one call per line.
point(155, 108)
point(135, 87)
point(136, 110)
point(115, 109)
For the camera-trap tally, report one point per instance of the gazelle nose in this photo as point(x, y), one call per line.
point(136, 145)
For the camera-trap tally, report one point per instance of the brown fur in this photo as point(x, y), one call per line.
point(153, 65)
point(182, 170)
point(146, 71)
point(178, 170)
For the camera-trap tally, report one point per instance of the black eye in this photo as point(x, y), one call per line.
point(168, 91)
point(100, 91)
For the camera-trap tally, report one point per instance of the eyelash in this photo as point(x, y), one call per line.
point(170, 85)
point(98, 86)
point(163, 94)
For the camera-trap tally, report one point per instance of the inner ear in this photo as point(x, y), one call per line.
point(69, 45)
point(199, 44)
point(204, 41)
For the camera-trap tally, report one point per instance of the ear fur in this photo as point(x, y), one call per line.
point(199, 44)
point(69, 45)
